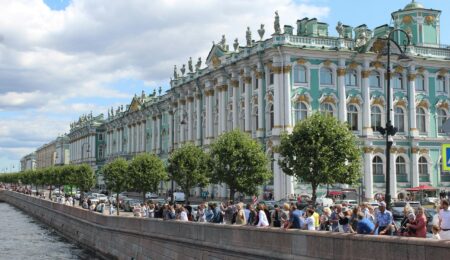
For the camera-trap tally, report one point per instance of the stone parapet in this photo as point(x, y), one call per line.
point(137, 238)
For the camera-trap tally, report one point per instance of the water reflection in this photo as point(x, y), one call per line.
point(23, 237)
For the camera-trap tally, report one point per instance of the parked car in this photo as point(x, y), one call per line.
point(432, 218)
point(179, 196)
point(102, 198)
point(160, 201)
point(325, 202)
point(151, 195)
point(129, 204)
point(78, 195)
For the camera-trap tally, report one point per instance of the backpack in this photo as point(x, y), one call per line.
point(276, 220)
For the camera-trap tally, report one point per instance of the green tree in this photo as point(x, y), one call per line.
point(115, 176)
point(146, 171)
point(238, 161)
point(321, 150)
point(188, 166)
point(84, 178)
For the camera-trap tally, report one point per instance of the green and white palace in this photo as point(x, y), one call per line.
point(275, 79)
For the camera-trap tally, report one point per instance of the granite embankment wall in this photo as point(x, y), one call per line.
point(135, 238)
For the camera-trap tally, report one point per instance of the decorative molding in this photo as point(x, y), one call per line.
point(287, 69)
point(341, 72)
point(407, 19)
point(354, 100)
point(329, 99)
point(401, 150)
point(414, 149)
point(277, 70)
point(378, 46)
point(365, 74)
point(421, 70)
point(423, 151)
point(234, 83)
point(423, 103)
point(215, 61)
point(399, 69)
point(302, 98)
point(442, 72)
point(301, 61)
point(429, 19)
point(327, 63)
point(247, 80)
point(259, 74)
point(401, 103)
point(412, 76)
point(378, 150)
point(377, 64)
point(190, 99)
point(182, 101)
point(442, 105)
point(378, 101)
point(367, 149)
point(353, 65)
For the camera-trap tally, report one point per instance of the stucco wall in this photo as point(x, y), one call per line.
point(127, 238)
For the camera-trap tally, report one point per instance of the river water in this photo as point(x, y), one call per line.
point(23, 237)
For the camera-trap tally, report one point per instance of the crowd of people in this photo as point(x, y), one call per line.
point(361, 219)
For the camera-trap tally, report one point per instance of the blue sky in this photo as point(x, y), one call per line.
point(63, 58)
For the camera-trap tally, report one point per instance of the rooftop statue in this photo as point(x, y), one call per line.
point(191, 69)
point(261, 32)
point(183, 70)
point(175, 73)
point(362, 39)
point(236, 45)
point(121, 108)
point(223, 42)
point(248, 37)
point(199, 64)
point(159, 91)
point(276, 23)
point(340, 29)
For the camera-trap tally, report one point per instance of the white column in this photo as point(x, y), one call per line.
point(209, 115)
point(144, 136)
point(154, 140)
point(413, 131)
point(247, 94)
point(198, 103)
point(286, 103)
point(368, 174)
point(277, 99)
point(278, 187)
point(171, 131)
point(182, 112)
point(261, 114)
point(158, 134)
point(341, 91)
point(393, 175)
point(365, 74)
point(415, 167)
point(219, 92)
point(190, 105)
point(235, 85)
point(223, 108)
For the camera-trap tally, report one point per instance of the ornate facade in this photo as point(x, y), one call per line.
point(265, 86)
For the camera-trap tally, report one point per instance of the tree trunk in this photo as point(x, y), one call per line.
point(314, 190)
point(117, 203)
point(232, 192)
point(186, 196)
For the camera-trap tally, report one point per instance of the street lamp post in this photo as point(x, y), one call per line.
point(182, 122)
point(389, 131)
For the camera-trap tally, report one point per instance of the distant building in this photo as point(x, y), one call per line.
point(46, 155)
point(62, 150)
point(28, 162)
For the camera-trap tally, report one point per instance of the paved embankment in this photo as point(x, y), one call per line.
point(136, 238)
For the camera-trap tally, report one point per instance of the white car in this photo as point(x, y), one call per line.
point(179, 196)
point(151, 195)
point(102, 198)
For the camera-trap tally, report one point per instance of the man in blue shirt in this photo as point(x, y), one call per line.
point(365, 226)
point(295, 218)
point(384, 220)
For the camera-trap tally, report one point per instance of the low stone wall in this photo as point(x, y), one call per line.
point(136, 238)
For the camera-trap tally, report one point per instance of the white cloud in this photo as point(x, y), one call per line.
point(48, 57)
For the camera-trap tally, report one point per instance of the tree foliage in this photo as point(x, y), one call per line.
point(321, 150)
point(115, 176)
point(146, 171)
point(238, 161)
point(188, 166)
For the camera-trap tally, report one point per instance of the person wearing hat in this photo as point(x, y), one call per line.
point(384, 220)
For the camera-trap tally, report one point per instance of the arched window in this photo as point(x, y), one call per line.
point(375, 79)
point(375, 117)
point(399, 119)
point(400, 166)
point(377, 165)
point(397, 81)
point(271, 115)
point(326, 76)
point(423, 166)
point(420, 83)
point(301, 111)
point(352, 117)
point(421, 118)
point(299, 74)
point(440, 84)
point(327, 109)
point(442, 117)
point(350, 78)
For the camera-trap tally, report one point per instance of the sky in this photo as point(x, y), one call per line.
point(60, 59)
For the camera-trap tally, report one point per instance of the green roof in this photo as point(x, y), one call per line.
point(413, 5)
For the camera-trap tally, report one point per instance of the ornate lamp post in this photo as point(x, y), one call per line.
point(389, 131)
point(182, 122)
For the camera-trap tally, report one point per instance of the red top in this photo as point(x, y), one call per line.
point(420, 225)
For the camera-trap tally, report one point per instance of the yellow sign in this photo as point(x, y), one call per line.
point(446, 157)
